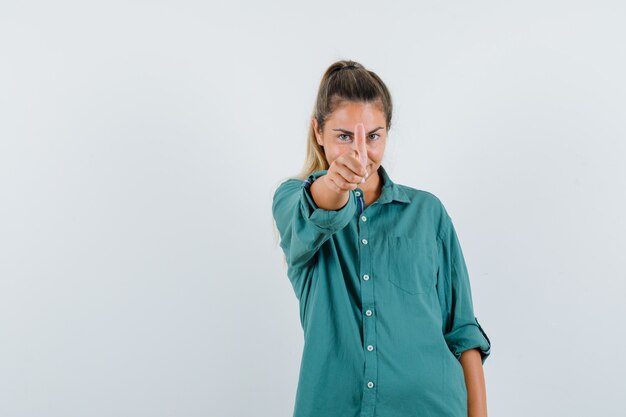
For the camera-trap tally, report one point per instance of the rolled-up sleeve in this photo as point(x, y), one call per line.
point(460, 326)
point(303, 226)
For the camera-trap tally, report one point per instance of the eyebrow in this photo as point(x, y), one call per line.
point(351, 133)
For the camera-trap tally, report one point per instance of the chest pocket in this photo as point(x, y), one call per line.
point(411, 264)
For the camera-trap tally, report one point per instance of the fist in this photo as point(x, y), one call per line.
point(348, 170)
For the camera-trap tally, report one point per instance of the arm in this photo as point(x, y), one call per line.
point(303, 225)
point(475, 383)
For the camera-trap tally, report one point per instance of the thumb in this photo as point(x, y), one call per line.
point(361, 147)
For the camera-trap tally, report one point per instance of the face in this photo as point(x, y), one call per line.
point(338, 135)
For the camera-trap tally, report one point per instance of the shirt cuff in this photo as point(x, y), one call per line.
point(468, 337)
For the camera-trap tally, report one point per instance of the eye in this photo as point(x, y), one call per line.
point(377, 136)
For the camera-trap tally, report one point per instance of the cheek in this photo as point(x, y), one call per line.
point(333, 152)
point(377, 153)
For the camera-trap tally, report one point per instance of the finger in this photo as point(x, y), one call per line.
point(348, 174)
point(350, 160)
point(340, 183)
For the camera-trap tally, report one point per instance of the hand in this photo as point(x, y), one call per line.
point(348, 170)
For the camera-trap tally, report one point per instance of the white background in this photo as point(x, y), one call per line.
point(141, 143)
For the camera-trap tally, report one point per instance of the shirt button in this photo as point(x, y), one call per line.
point(368, 312)
point(357, 193)
point(370, 348)
point(366, 277)
point(364, 218)
point(370, 384)
point(364, 241)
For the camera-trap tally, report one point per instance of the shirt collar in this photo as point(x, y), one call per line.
point(390, 191)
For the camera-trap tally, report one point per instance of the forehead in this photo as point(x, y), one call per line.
point(350, 113)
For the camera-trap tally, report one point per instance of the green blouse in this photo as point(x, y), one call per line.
point(385, 303)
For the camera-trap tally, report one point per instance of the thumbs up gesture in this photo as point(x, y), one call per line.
point(349, 169)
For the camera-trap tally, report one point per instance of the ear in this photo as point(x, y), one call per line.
point(318, 136)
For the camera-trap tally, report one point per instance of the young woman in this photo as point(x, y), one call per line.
point(384, 293)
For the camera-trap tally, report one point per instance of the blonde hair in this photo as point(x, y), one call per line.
point(344, 80)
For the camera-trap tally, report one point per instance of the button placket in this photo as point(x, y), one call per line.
point(370, 371)
point(360, 199)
